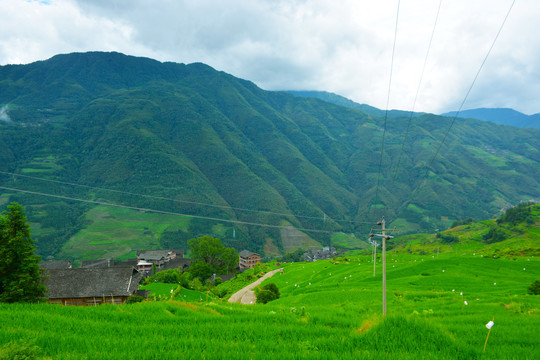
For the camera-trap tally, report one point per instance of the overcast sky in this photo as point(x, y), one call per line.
point(341, 46)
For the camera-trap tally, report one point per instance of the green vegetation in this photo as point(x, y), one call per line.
point(534, 288)
point(242, 279)
point(173, 137)
point(20, 274)
point(209, 256)
point(21, 351)
point(327, 309)
point(161, 291)
point(112, 232)
point(521, 213)
point(267, 293)
point(515, 233)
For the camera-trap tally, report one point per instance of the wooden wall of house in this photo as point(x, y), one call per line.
point(91, 301)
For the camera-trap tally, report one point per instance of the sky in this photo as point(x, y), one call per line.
point(344, 47)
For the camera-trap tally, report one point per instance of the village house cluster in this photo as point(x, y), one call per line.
point(108, 281)
point(324, 253)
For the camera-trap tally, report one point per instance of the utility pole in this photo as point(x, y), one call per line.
point(383, 266)
point(384, 238)
point(374, 256)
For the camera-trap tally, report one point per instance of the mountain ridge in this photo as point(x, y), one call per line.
point(504, 116)
point(197, 135)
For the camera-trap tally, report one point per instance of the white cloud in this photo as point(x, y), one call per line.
point(4, 115)
point(344, 47)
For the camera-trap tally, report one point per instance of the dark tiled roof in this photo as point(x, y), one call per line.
point(153, 254)
point(179, 252)
point(101, 263)
point(128, 262)
point(55, 264)
point(91, 282)
point(177, 263)
point(104, 263)
point(246, 253)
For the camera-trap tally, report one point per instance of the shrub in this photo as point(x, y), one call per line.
point(268, 293)
point(196, 284)
point(185, 279)
point(447, 238)
point(219, 292)
point(265, 296)
point(20, 351)
point(272, 288)
point(171, 276)
point(462, 222)
point(494, 235)
point(534, 288)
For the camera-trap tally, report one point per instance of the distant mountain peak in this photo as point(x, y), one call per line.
point(503, 116)
point(345, 102)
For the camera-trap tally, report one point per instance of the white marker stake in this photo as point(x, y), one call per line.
point(489, 325)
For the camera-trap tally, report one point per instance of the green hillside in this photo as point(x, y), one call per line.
point(187, 139)
point(328, 309)
point(514, 233)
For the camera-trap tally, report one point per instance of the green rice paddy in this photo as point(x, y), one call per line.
point(327, 310)
point(131, 231)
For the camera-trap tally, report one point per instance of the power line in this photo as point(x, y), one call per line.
point(417, 91)
point(162, 211)
point(387, 104)
point(180, 201)
point(422, 182)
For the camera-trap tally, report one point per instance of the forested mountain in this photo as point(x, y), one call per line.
point(186, 136)
point(500, 116)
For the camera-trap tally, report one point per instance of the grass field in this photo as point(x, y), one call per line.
point(163, 291)
point(327, 310)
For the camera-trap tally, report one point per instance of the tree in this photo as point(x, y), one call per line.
point(21, 278)
point(211, 251)
point(200, 269)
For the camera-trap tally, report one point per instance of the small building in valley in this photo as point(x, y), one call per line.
point(91, 286)
point(322, 254)
point(159, 257)
point(248, 259)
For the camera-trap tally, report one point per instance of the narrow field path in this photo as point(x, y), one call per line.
point(247, 295)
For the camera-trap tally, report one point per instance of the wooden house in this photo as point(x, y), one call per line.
point(91, 286)
point(248, 259)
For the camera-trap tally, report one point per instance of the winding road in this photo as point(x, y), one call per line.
point(247, 295)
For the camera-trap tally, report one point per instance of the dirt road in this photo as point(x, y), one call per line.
point(247, 295)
